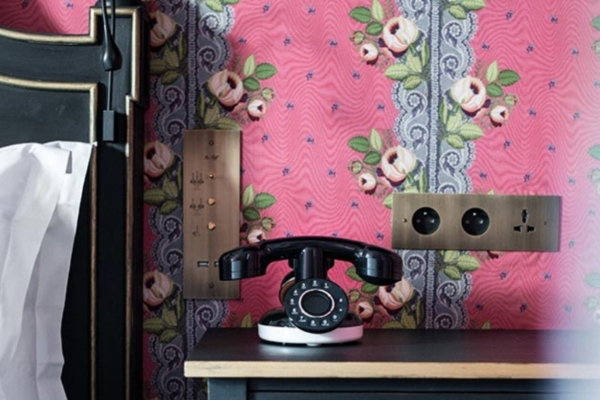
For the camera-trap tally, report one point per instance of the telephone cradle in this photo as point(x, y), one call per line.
point(315, 309)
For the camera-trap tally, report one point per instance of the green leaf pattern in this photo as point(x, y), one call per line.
point(361, 14)
point(593, 279)
point(170, 65)
point(369, 170)
point(455, 263)
point(247, 321)
point(594, 151)
point(410, 315)
point(166, 320)
point(375, 140)
point(377, 11)
point(219, 5)
point(166, 192)
point(411, 66)
point(215, 5)
point(458, 127)
point(407, 67)
point(360, 144)
point(212, 115)
point(594, 174)
point(256, 224)
point(491, 74)
point(265, 71)
point(249, 66)
point(592, 301)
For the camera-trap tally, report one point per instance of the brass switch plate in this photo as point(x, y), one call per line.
point(211, 210)
point(514, 223)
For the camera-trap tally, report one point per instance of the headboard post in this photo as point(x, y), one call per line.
point(54, 88)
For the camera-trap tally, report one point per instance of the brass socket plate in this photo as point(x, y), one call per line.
point(211, 210)
point(516, 223)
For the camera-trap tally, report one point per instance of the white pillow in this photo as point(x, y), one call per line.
point(40, 194)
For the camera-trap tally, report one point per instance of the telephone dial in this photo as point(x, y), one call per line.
point(315, 309)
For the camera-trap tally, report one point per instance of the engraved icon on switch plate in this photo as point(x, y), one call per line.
point(196, 180)
point(475, 222)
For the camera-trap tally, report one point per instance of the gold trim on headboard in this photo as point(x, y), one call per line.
point(136, 52)
point(92, 37)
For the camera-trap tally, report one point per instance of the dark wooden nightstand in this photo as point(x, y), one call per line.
point(411, 364)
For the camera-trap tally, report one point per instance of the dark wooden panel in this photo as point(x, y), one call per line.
point(230, 389)
point(414, 396)
point(546, 386)
point(411, 346)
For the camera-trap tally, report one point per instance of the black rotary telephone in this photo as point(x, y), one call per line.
point(310, 301)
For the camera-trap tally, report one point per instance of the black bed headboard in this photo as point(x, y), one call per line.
point(54, 87)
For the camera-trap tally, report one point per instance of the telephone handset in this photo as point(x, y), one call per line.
point(311, 302)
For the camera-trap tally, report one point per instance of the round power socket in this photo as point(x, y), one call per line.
point(475, 221)
point(426, 220)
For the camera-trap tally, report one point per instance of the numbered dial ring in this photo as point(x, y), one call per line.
point(316, 305)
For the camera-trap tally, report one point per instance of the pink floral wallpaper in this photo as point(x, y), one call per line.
point(342, 104)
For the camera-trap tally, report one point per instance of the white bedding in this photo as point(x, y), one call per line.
point(40, 194)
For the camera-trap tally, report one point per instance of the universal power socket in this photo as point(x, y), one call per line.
point(475, 222)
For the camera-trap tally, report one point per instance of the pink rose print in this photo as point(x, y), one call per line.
point(369, 52)
point(499, 115)
point(255, 227)
point(163, 29)
point(469, 93)
point(157, 287)
point(241, 95)
point(227, 87)
point(381, 169)
point(162, 172)
point(393, 297)
point(367, 183)
point(392, 306)
point(483, 104)
point(256, 235)
point(399, 33)
point(397, 163)
point(163, 303)
point(364, 309)
point(391, 39)
point(257, 107)
point(157, 158)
